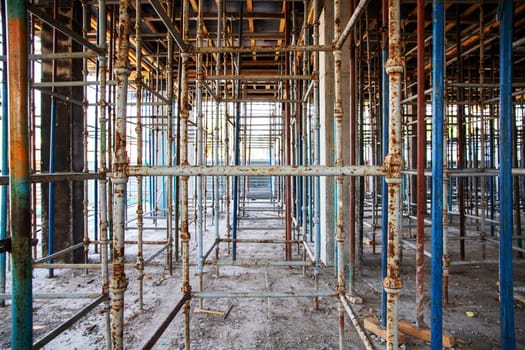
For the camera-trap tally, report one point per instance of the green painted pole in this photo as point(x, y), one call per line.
point(20, 213)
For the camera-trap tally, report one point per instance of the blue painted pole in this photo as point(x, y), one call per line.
point(236, 150)
point(20, 189)
point(491, 179)
point(51, 199)
point(384, 188)
point(438, 110)
point(506, 14)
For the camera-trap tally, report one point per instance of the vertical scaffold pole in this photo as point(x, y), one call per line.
point(86, 16)
point(384, 141)
point(200, 155)
point(5, 158)
point(169, 154)
point(119, 281)
point(352, 115)
point(394, 67)
point(236, 152)
point(103, 182)
point(438, 109)
point(20, 211)
point(185, 234)
point(317, 154)
point(338, 116)
point(217, 133)
point(421, 150)
point(506, 14)
point(138, 131)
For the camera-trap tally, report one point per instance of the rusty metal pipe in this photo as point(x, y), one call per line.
point(421, 150)
point(353, 157)
point(339, 41)
point(264, 49)
point(160, 330)
point(355, 322)
point(293, 170)
point(185, 234)
point(394, 67)
point(217, 133)
point(200, 154)
point(68, 323)
point(316, 153)
point(169, 155)
point(138, 131)
point(338, 116)
point(102, 181)
point(287, 142)
point(119, 280)
point(85, 133)
point(20, 190)
point(385, 124)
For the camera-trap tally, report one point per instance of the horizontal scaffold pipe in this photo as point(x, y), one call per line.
point(263, 49)
point(65, 295)
point(63, 55)
point(47, 84)
point(258, 78)
point(261, 99)
point(63, 29)
point(469, 172)
point(291, 170)
point(157, 6)
point(68, 323)
point(264, 294)
point(56, 177)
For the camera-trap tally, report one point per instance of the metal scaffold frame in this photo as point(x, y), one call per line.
point(185, 143)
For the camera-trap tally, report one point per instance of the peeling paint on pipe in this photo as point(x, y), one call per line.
point(316, 170)
point(19, 186)
point(394, 67)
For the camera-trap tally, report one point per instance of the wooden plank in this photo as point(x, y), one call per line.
point(372, 325)
point(370, 242)
point(423, 333)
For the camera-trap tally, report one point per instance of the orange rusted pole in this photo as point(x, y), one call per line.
point(20, 208)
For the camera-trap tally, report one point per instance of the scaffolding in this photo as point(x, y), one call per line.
point(176, 124)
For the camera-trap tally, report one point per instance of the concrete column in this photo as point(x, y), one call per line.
point(326, 116)
point(69, 196)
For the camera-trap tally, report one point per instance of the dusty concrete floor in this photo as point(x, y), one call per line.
point(262, 323)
